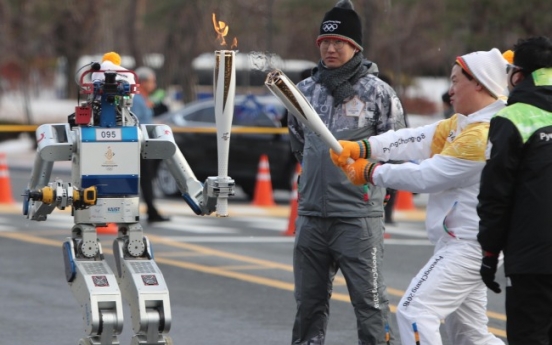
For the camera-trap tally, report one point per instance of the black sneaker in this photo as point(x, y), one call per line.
point(158, 218)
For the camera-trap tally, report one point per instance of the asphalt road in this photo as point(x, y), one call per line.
point(230, 279)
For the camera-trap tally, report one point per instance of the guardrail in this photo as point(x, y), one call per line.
point(235, 129)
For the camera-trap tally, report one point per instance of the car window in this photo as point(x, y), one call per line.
point(206, 114)
point(276, 111)
point(250, 110)
point(253, 111)
point(254, 117)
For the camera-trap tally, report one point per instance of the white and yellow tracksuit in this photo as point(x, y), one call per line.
point(452, 155)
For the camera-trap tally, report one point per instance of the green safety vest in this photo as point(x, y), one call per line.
point(527, 118)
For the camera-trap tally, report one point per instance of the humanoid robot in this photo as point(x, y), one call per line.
point(104, 141)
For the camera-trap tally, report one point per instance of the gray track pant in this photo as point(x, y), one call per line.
point(353, 245)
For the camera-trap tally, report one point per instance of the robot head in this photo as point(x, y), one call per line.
point(111, 97)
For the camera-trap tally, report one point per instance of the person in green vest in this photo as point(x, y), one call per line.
point(514, 199)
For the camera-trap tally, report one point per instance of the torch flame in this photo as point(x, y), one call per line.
point(221, 28)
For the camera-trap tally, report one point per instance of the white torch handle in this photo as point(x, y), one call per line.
point(300, 107)
point(225, 88)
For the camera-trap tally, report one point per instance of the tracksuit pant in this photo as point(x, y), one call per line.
point(355, 246)
point(448, 287)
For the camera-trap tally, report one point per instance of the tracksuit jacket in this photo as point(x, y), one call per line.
point(332, 195)
point(516, 189)
point(456, 146)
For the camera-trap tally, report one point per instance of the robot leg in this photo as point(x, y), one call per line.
point(94, 286)
point(143, 287)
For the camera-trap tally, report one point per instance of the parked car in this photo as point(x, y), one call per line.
point(200, 148)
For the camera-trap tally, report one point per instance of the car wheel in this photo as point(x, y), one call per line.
point(165, 182)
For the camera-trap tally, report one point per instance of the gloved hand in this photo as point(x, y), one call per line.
point(489, 264)
point(388, 195)
point(360, 172)
point(351, 149)
point(386, 199)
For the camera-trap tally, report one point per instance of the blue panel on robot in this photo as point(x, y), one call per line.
point(128, 134)
point(112, 185)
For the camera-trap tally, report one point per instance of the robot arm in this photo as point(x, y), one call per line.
point(158, 143)
point(55, 143)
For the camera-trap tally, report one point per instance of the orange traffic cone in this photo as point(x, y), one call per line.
point(263, 188)
point(293, 204)
point(109, 229)
point(5, 185)
point(404, 201)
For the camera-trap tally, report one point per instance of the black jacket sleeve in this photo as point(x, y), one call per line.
point(498, 179)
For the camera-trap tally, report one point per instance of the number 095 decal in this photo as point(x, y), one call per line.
point(108, 134)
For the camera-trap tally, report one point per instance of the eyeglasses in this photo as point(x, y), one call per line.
point(338, 44)
point(510, 67)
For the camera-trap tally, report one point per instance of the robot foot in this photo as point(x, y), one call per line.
point(140, 340)
point(97, 341)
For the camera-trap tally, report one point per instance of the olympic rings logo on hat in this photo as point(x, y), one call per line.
point(329, 27)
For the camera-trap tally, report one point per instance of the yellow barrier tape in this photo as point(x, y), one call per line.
point(235, 130)
point(18, 128)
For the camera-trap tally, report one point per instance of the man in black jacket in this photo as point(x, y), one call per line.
point(514, 198)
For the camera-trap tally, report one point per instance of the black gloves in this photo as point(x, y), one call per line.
point(489, 264)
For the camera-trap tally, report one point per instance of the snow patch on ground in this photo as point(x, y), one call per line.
point(25, 143)
point(42, 109)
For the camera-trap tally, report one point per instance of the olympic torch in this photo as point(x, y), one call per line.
point(224, 83)
point(296, 103)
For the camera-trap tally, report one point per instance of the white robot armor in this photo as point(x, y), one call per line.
point(104, 141)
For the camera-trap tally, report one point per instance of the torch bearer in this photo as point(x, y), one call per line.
point(296, 103)
point(224, 83)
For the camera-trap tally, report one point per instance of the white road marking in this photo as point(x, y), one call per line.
point(406, 232)
point(59, 225)
point(266, 223)
point(7, 228)
point(196, 228)
point(233, 239)
point(406, 242)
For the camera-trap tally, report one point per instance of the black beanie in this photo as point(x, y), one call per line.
point(342, 22)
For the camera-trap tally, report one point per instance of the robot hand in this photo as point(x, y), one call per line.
point(204, 201)
point(38, 203)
